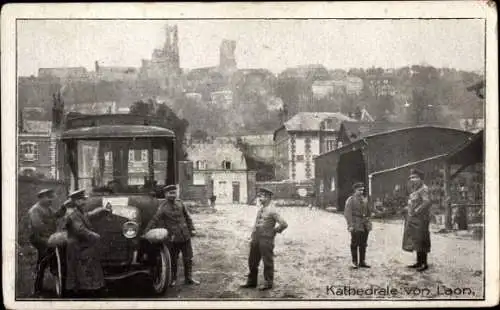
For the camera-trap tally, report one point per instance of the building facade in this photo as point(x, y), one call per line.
point(36, 149)
point(221, 167)
point(301, 139)
point(382, 161)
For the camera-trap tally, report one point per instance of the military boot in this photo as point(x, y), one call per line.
point(362, 256)
point(188, 272)
point(423, 265)
point(418, 263)
point(174, 279)
point(354, 255)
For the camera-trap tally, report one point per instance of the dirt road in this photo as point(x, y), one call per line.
point(311, 261)
point(312, 258)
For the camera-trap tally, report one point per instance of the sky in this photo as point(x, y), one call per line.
point(272, 44)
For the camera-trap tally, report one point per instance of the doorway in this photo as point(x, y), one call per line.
point(351, 168)
point(236, 192)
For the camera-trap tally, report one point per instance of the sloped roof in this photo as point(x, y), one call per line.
point(310, 121)
point(470, 152)
point(117, 131)
point(359, 130)
point(215, 152)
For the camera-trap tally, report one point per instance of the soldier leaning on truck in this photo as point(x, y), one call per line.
point(42, 225)
point(84, 274)
point(180, 227)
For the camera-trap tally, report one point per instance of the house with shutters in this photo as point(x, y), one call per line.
point(220, 166)
point(300, 139)
point(36, 149)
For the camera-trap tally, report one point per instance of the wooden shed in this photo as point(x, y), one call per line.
point(363, 160)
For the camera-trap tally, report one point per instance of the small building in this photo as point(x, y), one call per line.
point(300, 139)
point(221, 166)
point(64, 73)
point(36, 149)
point(369, 159)
point(114, 73)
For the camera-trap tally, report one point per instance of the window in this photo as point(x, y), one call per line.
point(330, 144)
point(198, 179)
point(138, 155)
point(226, 165)
point(332, 184)
point(201, 164)
point(299, 157)
point(159, 155)
point(29, 151)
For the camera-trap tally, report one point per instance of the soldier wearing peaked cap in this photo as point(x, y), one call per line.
point(416, 236)
point(268, 223)
point(179, 224)
point(84, 274)
point(357, 214)
point(43, 223)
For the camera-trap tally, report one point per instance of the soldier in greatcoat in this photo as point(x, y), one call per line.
point(179, 224)
point(43, 223)
point(268, 223)
point(84, 274)
point(357, 214)
point(416, 235)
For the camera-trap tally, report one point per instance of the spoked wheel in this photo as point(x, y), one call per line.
point(161, 270)
point(58, 276)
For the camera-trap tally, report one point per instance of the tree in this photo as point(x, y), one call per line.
point(199, 135)
point(141, 108)
point(154, 109)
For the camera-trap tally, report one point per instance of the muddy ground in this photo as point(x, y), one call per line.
point(311, 261)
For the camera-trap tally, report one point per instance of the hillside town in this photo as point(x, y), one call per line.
point(307, 134)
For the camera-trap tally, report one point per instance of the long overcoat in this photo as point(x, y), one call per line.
point(83, 266)
point(416, 236)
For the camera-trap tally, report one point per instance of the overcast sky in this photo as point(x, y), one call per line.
point(274, 44)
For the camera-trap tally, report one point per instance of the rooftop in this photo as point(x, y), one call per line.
point(311, 121)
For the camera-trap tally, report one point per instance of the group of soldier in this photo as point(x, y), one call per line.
point(416, 236)
point(85, 276)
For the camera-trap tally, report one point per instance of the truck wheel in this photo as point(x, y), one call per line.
point(161, 270)
point(58, 276)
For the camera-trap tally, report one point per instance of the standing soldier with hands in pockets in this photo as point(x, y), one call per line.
point(416, 235)
point(262, 243)
point(357, 214)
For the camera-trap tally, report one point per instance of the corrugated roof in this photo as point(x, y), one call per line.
point(118, 131)
point(358, 130)
point(310, 121)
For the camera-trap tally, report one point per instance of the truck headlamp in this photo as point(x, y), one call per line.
point(130, 230)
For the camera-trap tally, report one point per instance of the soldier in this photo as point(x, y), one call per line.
point(212, 200)
point(262, 241)
point(84, 274)
point(42, 224)
point(357, 214)
point(416, 235)
point(180, 226)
